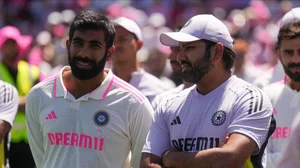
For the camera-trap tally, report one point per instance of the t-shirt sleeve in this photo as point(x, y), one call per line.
point(35, 136)
point(9, 102)
point(252, 116)
point(139, 127)
point(158, 139)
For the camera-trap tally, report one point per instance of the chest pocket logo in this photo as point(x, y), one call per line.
point(101, 118)
point(218, 118)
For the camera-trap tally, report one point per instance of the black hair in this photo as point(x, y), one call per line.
point(228, 55)
point(288, 31)
point(89, 20)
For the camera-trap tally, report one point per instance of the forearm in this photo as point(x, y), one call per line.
point(215, 157)
point(4, 128)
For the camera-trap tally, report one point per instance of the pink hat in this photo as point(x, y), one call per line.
point(10, 32)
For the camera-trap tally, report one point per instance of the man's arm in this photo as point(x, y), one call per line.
point(233, 154)
point(150, 161)
point(4, 128)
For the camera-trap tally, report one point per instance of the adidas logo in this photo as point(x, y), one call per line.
point(176, 121)
point(51, 115)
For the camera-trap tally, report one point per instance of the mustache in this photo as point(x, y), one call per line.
point(185, 62)
point(174, 62)
point(78, 58)
point(294, 65)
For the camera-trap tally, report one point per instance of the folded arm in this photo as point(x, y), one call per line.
point(233, 154)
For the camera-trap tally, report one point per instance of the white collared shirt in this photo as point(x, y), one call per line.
point(99, 129)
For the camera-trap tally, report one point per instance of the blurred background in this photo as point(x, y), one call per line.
point(252, 23)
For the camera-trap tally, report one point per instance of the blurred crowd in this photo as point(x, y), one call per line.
point(253, 24)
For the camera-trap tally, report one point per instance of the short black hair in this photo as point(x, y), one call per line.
point(289, 31)
point(89, 20)
point(228, 55)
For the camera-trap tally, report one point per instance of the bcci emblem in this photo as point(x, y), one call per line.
point(101, 118)
point(218, 118)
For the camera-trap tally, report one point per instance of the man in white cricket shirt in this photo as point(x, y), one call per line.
point(9, 102)
point(285, 95)
point(189, 128)
point(86, 117)
point(128, 41)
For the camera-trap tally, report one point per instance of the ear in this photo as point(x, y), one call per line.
point(68, 43)
point(139, 44)
point(110, 52)
point(218, 52)
point(278, 53)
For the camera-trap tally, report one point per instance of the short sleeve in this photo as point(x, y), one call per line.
point(158, 139)
point(252, 116)
point(9, 102)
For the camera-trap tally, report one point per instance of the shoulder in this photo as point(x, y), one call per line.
point(276, 85)
point(248, 92)
point(148, 84)
point(177, 99)
point(124, 89)
point(8, 92)
point(45, 86)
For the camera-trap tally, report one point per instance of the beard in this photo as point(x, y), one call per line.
point(85, 74)
point(294, 76)
point(199, 69)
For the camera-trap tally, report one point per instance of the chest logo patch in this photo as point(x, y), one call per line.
point(218, 118)
point(101, 118)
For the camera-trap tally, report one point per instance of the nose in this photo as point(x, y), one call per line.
point(181, 56)
point(85, 52)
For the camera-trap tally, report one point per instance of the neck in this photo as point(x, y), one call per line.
point(77, 87)
point(124, 70)
point(187, 84)
point(238, 70)
point(294, 85)
point(211, 81)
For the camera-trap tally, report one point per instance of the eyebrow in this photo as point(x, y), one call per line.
point(186, 44)
point(92, 41)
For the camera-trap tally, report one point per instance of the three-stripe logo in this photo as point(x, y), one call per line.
point(176, 121)
point(51, 115)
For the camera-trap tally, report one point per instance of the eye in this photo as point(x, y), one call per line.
point(288, 52)
point(95, 46)
point(77, 43)
point(188, 48)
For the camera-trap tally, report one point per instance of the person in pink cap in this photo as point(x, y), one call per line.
point(23, 76)
point(221, 121)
